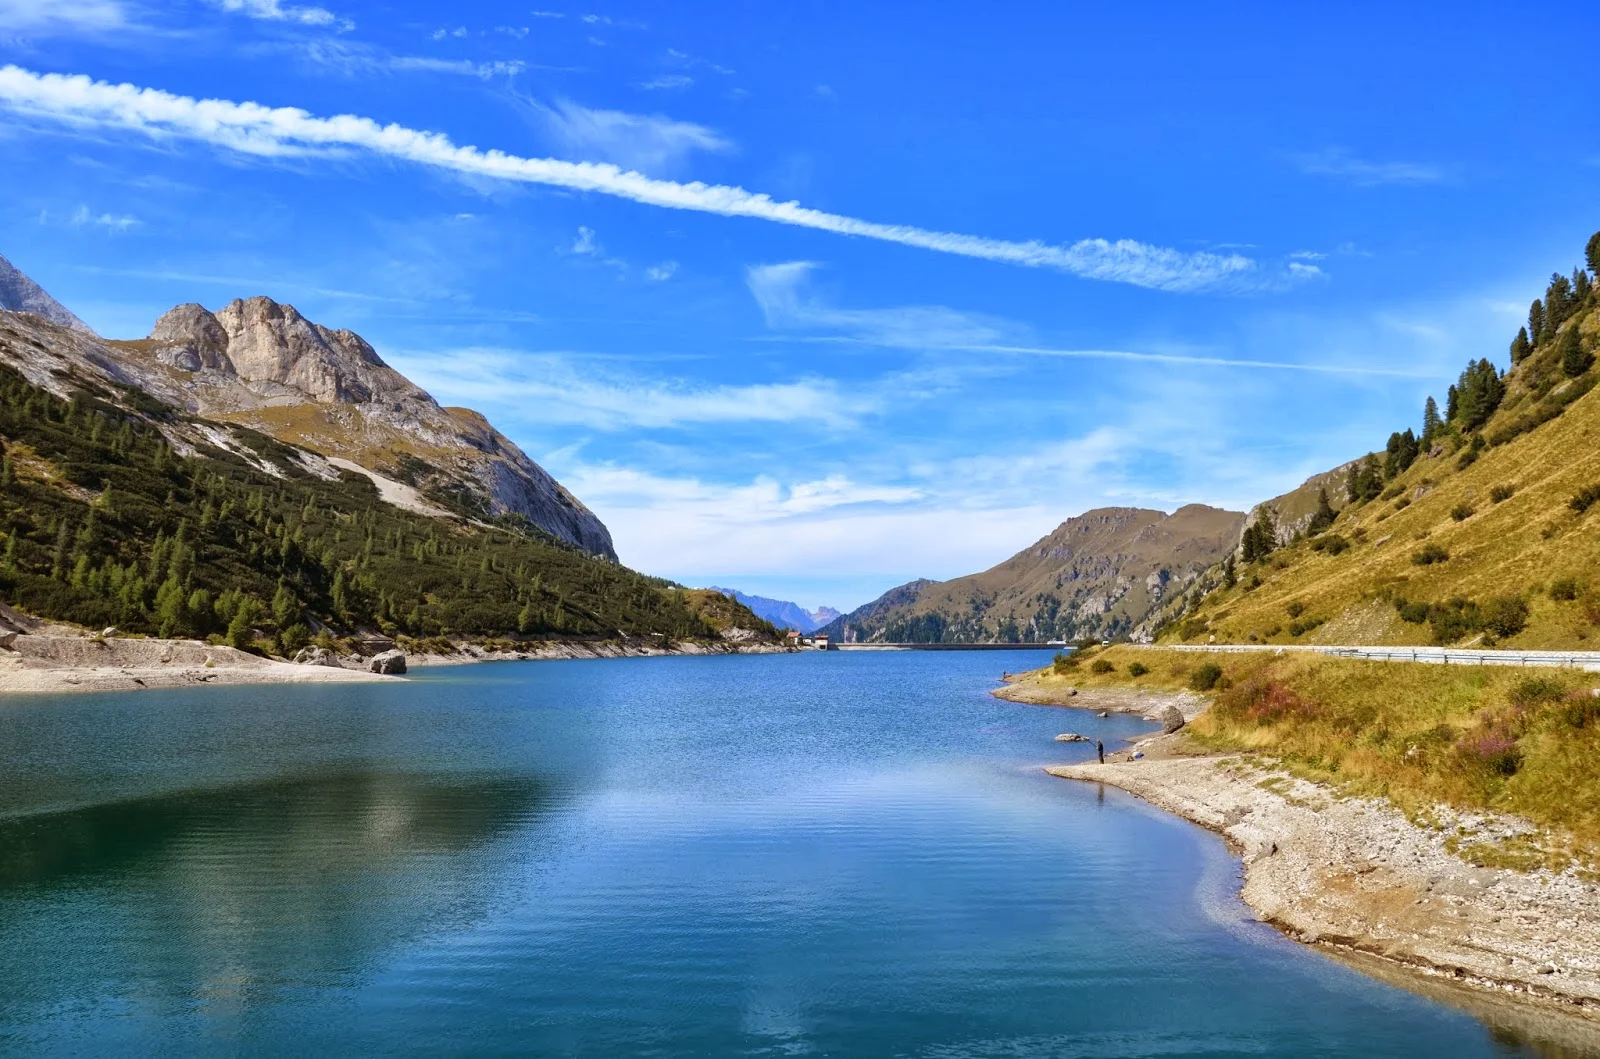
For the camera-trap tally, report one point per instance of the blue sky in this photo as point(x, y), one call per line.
point(813, 301)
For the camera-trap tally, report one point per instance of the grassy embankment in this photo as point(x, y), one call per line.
point(1492, 537)
point(1498, 738)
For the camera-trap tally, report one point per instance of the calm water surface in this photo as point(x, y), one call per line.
point(840, 854)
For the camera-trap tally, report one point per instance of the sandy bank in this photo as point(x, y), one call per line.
point(1355, 874)
point(559, 650)
point(55, 663)
point(1149, 704)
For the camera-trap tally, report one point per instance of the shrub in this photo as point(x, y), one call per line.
point(1263, 701)
point(1468, 458)
point(1453, 619)
point(1501, 493)
point(1585, 499)
point(1295, 608)
point(1564, 588)
point(1491, 748)
point(1529, 694)
point(1429, 554)
point(1505, 615)
point(1191, 628)
point(1415, 613)
point(1403, 503)
point(1462, 511)
point(1063, 663)
point(1100, 665)
point(1137, 669)
point(1581, 710)
point(1331, 543)
point(1298, 628)
point(1205, 677)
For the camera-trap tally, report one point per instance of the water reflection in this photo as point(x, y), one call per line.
point(261, 886)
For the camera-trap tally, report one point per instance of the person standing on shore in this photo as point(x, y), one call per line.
point(1100, 748)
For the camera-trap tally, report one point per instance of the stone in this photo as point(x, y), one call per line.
point(8, 640)
point(316, 656)
point(108, 632)
point(1071, 737)
point(1171, 719)
point(389, 663)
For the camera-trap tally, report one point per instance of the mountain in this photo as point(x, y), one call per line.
point(781, 612)
point(1098, 575)
point(1484, 530)
point(138, 490)
point(262, 364)
point(19, 294)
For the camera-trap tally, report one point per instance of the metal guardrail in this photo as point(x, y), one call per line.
point(1433, 655)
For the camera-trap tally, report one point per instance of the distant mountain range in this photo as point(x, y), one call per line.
point(781, 612)
point(1100, 574)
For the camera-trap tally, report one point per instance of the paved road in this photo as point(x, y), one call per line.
point(1451, 656)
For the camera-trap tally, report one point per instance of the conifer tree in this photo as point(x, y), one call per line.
point(1575, 360)
point(1430, 422)
point(1536, 321)
point(1323, 517)
point(1520, 346)
point(1452, 403)
point(1229, 576)
point(1592, 254)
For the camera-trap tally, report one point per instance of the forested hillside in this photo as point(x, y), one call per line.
point(118, 509)
point(1478, 525)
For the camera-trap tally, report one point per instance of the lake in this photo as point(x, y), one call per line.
point(828, 853)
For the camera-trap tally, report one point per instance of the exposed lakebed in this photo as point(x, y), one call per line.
point(847, 854)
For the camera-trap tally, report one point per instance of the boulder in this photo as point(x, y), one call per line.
point(316, 656)
point(1171, 718)
point(1071, 737)
point(8, 640)
point(390, 663)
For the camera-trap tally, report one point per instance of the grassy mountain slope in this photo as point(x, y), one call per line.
point(1488, 537)
point(119, 509)
point(1096, 575)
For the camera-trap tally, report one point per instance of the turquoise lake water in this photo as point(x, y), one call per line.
point(834, 854)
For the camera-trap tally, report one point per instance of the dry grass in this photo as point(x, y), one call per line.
point(1516, 547)
point(1497, 738)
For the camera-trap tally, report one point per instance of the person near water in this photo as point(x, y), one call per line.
point(1100, 748)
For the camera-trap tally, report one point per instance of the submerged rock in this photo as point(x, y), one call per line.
point(389, 663)
point(1071, 737)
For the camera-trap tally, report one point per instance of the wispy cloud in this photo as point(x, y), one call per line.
point(667, 83)
point(642, 141)
point(662, 272)
point(275, 11)
point(484, 70)
point(61, 16)
point(1342, 165)
point(76, 101)
point(559, 388)
point(83, 217)
point(781, 292)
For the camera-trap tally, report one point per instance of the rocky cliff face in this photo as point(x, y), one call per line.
point(19, 294)
point(1099, 574)
point(262, 364)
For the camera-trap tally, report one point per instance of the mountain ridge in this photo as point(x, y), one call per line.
point(783, 613)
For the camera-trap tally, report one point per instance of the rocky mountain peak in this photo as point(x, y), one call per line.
point(19, 294)
point(262, 341)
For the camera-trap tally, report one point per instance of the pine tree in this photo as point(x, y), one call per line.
point(1520, 346)
point(1557, 302)
point(1575, 360)
point(1592, 253)
point(1323, 517)
point(1478, 393)
point(1229, 576)
point(1536, 321)
point(1580, 287)
point(1430, 422)
point(239, 629)
point(1452, 404)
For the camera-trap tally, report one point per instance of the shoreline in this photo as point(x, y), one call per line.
point(46, 663)
point(1354, 876)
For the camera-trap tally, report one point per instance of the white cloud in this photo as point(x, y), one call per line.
point(585, 243)
point(275, 11)
point(61, 16)
point(84, 217)
point(1341, 164)
point(662, 272)
point(485, 70)
point(642, 141)
point(553, 388)
point(282, 132)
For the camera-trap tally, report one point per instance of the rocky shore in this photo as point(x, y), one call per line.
point(1356, 875)
point(54, 659)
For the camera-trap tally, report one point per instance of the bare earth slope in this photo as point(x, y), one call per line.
point(1099, 574)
